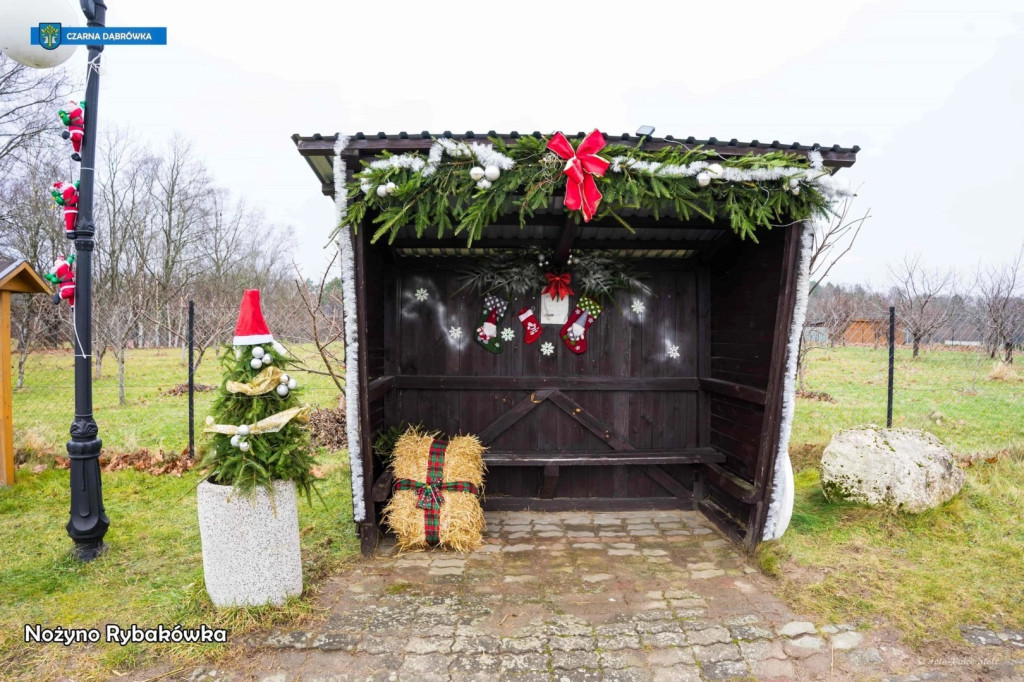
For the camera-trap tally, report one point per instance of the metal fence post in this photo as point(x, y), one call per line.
point(892, 362)
point(191, 380)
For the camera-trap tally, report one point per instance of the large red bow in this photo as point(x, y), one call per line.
point(583, 163)
point(558, 286)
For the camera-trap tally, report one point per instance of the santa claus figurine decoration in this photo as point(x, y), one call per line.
point(63, 277)
point(74, 118)
point(65, 194)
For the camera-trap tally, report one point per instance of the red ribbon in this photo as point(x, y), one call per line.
point(558, 286)
point(582, 164)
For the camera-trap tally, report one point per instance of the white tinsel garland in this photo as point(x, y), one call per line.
point(348, 291)
point(485, 154)
point(780, 509)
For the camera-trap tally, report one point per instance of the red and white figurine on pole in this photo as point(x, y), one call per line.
point(74, 118)
point(65, 194)
point(63, 277)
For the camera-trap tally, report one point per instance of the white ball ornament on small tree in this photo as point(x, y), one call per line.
point(292, 384)
point(257, 351)
point(477, 173)
point(282, 390)
point(235, 440)
point(492, 173)
point(243, 446)
point(255, 363)
point(283, 379)
point(267, 359)
point(243, 430)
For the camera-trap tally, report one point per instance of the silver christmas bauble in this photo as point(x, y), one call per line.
point(364, 187)
point(243, 446)
point(267, 359)
point(382, 191)
point(243, 430)
point(390, 188)
point(255, 363)
point(234, 441)
point(292, 384)
point(257, 351)
point(492, 173)
point(282, 390)
point(476, 172)
point(283, 379)
point(703, 178)
point(484, 184)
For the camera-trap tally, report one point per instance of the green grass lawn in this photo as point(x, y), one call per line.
point(962, 563)
point(152, 572)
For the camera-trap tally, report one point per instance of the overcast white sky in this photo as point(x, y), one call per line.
point(932, 91)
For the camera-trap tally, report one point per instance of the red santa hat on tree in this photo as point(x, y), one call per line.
point(251, 329)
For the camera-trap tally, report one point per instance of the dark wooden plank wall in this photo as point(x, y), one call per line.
point(621, 345)
point(745, 284)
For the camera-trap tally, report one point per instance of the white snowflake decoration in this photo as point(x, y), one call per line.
point(455, 333)
point(638, 306)
point(507, 334)
point(547, 348)
point(673, 352)
point(421, 294)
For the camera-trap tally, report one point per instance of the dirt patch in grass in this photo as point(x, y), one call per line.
point(816, 395)
point(327, 428)
point(1002, 371)
point(806, 455)
point(182, 389)
point(155, 463)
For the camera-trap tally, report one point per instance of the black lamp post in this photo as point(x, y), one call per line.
point(88, 523)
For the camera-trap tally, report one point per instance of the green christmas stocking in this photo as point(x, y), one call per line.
point(487, 328)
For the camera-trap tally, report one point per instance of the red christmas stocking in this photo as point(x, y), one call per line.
point(530, 324)
point(487, 328)
point(574, 332)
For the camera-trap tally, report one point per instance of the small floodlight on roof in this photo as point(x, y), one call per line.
point(645, 131)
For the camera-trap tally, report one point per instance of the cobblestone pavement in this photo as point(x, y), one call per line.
point(644, 596)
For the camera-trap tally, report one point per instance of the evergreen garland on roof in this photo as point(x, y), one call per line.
point(438, 196)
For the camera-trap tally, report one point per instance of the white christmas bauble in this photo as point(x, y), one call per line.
point(235, 440)
point(492, 173)
point(382, 191)
point(793, 182)
point(257, 351)
point(267, 359)
point(716, 170)
point(292, 384)
point(282, 390)
point(364, 187)
point(243, 446)
point(476, 172)
point(18, 17)
point(703, 178)
point(255, 363)
point(795, 191)
point(283, 379)
point(390, 187)
point(484, 184)
point(243, 430)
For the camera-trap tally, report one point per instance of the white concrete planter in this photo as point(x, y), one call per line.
point(251, 552)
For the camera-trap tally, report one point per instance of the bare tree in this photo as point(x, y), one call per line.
point(1001, 310)
point(925, 299)
point(832, 240)
point(323, 305)
point(30, 98)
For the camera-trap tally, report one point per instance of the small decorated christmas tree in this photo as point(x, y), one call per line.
point(258, 421)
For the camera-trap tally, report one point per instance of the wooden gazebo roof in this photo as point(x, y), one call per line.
point(18, 276)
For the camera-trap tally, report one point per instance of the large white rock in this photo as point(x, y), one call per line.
point(251, 551)
point(901, 469)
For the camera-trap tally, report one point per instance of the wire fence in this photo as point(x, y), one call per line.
point(960, 379)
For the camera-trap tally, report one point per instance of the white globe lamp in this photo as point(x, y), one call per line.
point(19, 17)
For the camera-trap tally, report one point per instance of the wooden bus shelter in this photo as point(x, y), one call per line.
point(680, 406)
point(16, 277)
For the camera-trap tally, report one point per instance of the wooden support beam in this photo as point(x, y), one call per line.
point(661, 477)
point(6, 406)
point(500, 458)
point(582, 503)
point(505, 421)
point(547, 490)
point(440, 382)
point(588, 421)
point(568, 236)
point(731, 484)
point(731, 389)
point(379, 388)
point(382, 486)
